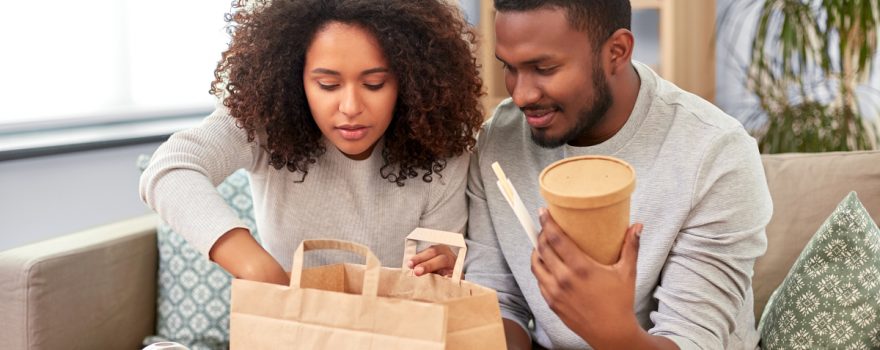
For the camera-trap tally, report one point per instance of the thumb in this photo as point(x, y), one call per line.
point(630, 252)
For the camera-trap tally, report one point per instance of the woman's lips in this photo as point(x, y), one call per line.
point(352, 132)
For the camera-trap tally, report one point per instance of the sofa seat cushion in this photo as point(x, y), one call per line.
point(831, 297)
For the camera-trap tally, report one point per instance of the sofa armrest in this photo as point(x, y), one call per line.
point(94, 289)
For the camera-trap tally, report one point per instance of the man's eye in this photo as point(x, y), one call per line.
point(545, 70)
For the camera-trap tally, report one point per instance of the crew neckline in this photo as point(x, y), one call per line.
point(644, 100)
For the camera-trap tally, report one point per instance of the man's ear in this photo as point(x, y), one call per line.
point(619, 49)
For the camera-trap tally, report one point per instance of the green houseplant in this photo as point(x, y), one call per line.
point(807, 59)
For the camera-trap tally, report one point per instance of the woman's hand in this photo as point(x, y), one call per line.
point(238, 253)
point(438, 259)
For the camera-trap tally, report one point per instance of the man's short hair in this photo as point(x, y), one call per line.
point(598, 18)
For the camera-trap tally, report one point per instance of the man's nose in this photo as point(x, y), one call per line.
point(525, 92)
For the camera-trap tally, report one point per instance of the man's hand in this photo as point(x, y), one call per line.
point(438, 259)
point(593, 300)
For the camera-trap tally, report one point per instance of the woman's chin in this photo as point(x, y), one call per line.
point(355, 152)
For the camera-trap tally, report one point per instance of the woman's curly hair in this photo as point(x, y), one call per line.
point(429, 48)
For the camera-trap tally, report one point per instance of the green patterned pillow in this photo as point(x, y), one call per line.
point(193, 292)
point(831, 297)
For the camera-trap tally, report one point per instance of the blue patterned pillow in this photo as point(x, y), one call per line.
point(193, 292)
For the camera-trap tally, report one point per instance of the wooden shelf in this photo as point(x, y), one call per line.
point(645, 4)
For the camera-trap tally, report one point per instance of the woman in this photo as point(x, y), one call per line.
point(354, 119)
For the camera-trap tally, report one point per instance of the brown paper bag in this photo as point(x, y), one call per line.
point(351, 306)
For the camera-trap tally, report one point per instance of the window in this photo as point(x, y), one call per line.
point(97, 61)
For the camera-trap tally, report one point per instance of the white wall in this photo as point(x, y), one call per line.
point(48, 196)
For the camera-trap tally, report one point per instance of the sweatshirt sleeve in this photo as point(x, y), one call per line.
point(180, 181)
point(706, 280)
point(447, 205)
point(485, 264)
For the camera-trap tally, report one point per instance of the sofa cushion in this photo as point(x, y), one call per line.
point(831, 296)
point(805, 188)
point(193, 292)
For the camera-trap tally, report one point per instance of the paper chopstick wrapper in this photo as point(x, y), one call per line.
point(516, 203)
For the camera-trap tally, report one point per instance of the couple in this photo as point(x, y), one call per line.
point(356, 121)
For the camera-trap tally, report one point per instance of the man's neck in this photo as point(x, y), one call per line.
point(624, 92)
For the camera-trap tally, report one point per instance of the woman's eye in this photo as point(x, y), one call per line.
point(374, 87)
point(328, 86)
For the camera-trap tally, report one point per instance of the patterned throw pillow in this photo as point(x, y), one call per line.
point(831, 297)
point(193, 292)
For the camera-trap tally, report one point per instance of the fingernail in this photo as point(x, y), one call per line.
point(639, 231)
point(409, 264)
point(419, 270)
point(542, 215)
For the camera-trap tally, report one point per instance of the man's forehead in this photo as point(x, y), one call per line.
point(527, 35)
point(550, 17)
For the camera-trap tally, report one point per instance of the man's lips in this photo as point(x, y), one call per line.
point(540, 118)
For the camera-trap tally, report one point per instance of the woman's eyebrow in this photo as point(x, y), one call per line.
point(325, 71)
point(366, 72)
point(375, 70)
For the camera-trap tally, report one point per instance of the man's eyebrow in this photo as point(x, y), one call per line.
point(531, 62)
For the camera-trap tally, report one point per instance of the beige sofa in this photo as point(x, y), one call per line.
point(96, 289)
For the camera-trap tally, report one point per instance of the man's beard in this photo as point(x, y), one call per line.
point(587, 118)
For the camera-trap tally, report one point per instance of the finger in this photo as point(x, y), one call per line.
point(629, 253)
point(423, 256)
point(543, 277)
point(539, 269)
point(559, 240)
point(434, 264)
point(564, 246)
point(549, 258)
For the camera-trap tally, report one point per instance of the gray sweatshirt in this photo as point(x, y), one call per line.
point(700, 193)
point(340, 198)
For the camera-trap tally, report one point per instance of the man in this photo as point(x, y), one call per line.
point(701, 199)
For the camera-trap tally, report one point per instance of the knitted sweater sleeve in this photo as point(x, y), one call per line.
point(180, 181)
point(447, 205)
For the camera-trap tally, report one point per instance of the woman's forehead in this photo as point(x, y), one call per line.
point(340, 45)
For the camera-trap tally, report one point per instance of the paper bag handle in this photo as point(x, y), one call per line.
point(371, 272)
point(434, 236)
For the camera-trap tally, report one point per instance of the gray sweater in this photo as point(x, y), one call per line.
point(340, 198)
point(700, 193)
